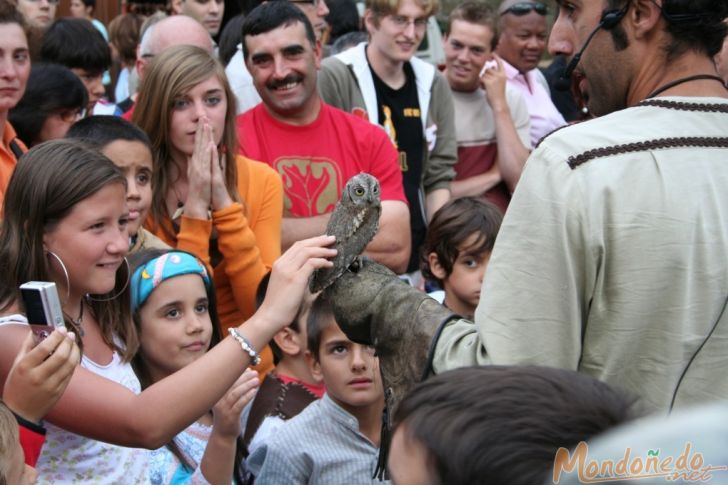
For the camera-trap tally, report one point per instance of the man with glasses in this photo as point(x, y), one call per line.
point(383, 82)
point(523, 32)
point(240, 80)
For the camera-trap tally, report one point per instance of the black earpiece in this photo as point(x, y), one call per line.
point(609, 20)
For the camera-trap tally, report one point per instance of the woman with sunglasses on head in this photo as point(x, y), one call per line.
point(223, 208)
point(522, 41)
point(64, 220)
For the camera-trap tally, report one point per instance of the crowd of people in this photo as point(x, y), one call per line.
point(174, 176)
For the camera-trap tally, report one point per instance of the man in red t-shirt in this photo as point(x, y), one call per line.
point(315, 147)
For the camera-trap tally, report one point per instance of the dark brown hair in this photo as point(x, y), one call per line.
point(693, 25)
point(452, 225)
point(124, 35)
point(497, 425)
point(320, 317)
point(10, 15)
point(48, 181)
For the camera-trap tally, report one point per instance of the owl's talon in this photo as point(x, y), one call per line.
point(356, 265)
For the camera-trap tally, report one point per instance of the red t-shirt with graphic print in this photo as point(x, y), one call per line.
point(316, 160)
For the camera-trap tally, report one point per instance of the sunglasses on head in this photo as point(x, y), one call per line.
point(524, 8)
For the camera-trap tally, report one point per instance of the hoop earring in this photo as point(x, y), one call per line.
point(65, 273)
point(123, 288)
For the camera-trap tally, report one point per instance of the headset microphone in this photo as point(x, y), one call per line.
point(610, 19)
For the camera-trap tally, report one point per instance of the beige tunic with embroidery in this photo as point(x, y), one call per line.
point(617, 267)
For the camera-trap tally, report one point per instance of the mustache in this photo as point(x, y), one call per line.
point(291, 78)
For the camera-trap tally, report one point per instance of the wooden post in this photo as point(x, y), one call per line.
point(105, 11)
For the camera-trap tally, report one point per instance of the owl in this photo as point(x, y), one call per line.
point(354, 222)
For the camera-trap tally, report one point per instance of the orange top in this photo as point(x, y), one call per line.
point(248, 237)
point(7, 158)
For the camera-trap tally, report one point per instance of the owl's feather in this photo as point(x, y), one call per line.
point(354, 222)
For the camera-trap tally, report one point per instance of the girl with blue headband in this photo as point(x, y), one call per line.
point(174, 311)
point(64, 220)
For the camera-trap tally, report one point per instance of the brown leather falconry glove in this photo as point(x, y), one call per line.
point(374, 307)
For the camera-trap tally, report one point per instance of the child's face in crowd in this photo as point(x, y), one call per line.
point(207, 99)
point(408, 460)
point(135, 160)
point(349, 370)
point(175, 325)
point(94, 83)
point(92, 241)
point(462, 286)
point(18, 472)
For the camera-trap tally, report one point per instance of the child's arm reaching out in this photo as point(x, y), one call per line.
point(219, 458)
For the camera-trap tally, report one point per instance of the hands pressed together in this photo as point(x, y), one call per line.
point(206, 175)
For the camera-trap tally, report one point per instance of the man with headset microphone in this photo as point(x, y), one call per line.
point(613, 256)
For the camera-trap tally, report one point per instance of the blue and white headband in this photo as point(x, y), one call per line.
point(150, 275)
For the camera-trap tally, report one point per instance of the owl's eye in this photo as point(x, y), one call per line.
point(376, 189)
point(359, 191)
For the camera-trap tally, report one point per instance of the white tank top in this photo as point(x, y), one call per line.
point(68, 458)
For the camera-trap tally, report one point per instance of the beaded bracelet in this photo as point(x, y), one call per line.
point(245, 345)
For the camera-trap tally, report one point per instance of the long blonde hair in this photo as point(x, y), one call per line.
point(171, 75)
point(8, 441)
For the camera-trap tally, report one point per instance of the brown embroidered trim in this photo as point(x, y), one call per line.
point(683, 106)
point(641, 146)
point(538, 144)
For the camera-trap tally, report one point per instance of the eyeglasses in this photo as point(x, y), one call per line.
point(402, 22)
point(524, 8)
